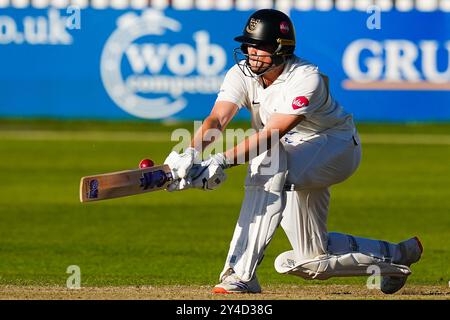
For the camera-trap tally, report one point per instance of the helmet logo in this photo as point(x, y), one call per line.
point(284, 27)
point(252, 25)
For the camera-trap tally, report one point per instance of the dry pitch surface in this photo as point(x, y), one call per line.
point(204, 293)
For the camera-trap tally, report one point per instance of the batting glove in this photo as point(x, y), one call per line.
point(210, 174)
point(180, 164)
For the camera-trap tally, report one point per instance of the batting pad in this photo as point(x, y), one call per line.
point(259, 217)
point(345, 265)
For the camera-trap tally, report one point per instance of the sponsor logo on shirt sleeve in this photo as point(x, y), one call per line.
point(300, 102)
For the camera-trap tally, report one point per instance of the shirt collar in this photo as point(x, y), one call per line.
point(288, 68)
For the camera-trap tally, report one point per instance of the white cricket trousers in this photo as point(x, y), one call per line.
point(314, 164)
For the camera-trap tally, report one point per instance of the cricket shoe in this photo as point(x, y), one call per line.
point(231, 283)
point(411, 250)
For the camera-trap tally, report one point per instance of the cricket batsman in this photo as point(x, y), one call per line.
point(288, 182)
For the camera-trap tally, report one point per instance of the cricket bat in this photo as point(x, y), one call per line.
point(124, 183)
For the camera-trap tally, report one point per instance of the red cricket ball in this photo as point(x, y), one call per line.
point(146, 163)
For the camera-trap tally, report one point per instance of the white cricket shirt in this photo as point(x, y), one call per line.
point(300, 90)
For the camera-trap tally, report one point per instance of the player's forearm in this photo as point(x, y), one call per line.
point(277, 126)
point(252, 146)
point(207, 133)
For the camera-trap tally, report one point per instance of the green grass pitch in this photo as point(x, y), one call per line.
point(401, 189)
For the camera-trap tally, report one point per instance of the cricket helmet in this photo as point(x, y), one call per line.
point(270, 28)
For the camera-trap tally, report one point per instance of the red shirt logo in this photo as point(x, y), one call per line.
point(300, 102)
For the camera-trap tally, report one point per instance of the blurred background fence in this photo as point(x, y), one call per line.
point(125, 59)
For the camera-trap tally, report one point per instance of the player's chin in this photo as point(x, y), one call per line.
point(260, 69)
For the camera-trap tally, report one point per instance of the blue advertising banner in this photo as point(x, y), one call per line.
point(119, 64)
point(382, 66)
